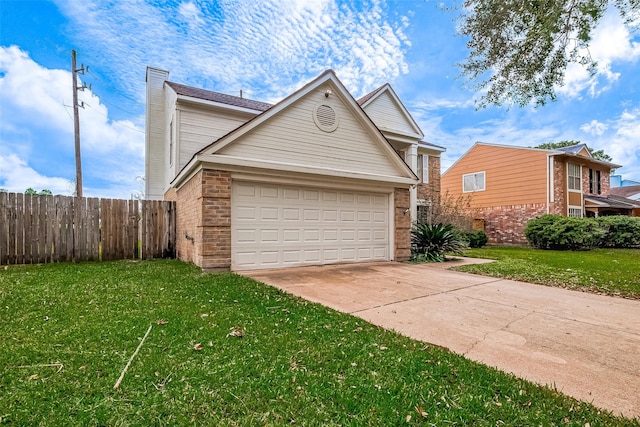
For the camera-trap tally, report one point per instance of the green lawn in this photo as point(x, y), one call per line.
point(607, 271)
point(68, 330)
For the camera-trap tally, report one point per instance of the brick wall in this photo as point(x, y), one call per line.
point(559, 205)
point(605, 178)
point(203, 211)
point(431, 190)
point(505, 224)
point(402, 222)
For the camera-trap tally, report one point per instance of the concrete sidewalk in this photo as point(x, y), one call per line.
point(587, 345)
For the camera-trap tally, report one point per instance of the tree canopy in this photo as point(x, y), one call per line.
point(519, 50)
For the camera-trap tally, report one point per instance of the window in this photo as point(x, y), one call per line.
point(423, 214)
point(171, 143)
point(573, 172)
point(473, 182)
point(575, 212)
point(595, 183)
point(423, 168)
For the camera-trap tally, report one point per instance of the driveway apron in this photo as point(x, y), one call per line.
point(586, 345)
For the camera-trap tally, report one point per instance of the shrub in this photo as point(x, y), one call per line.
point(430, 242)
point(476, 239)
point(536, 230)
point(621, 231)
point(562, 233)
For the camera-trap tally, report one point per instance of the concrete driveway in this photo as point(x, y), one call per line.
point(587, 345)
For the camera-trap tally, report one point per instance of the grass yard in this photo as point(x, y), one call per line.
point(226, 350)
point(608, 271)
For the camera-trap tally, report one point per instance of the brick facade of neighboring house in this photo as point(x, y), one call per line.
point(505, 224)
point(507, 186)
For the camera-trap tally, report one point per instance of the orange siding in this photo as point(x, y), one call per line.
point(575, 199)
point(513, 176)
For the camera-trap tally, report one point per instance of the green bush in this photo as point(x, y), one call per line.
point(430, 242)
point(564, 233)
point(621, 231)
point(536, 230)
point(476, 239)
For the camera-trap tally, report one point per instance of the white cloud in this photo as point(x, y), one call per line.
point(261, 47)
point(594, 127)
point(36, 140)
point(611, 42)
point(16, 176)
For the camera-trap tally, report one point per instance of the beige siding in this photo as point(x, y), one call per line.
point(202, 127)
point(387, 114)
point(513, 176)
point(293, 137)
point(155, 150)
point(170, 116)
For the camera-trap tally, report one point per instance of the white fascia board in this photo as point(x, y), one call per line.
point(193, 100)
point(239, 164)
point(395, 135)
point(431, 149)
point(338, 90)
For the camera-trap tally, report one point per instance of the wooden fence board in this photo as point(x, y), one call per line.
point(41, 229)
point(4, 226)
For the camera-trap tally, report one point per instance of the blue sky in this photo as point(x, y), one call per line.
point(269, 49)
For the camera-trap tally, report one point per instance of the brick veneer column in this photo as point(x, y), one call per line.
point(216, 220)
point(203, 209)
point(402, 224)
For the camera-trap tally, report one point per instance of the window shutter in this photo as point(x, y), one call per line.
point(425, 169)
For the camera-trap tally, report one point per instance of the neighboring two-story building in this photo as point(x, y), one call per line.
point(316, 178)
point(507, 186)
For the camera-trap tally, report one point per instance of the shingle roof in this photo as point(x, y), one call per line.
point(573, 149)
point(631, 190)
point(614, 201)
point(429, 144)
point(370, 95)
point(218, 97)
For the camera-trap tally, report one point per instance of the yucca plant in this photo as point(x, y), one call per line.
point(430, 242)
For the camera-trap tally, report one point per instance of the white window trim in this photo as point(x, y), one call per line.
point(578, 208)
point(484, 182)
point(171, 142)
point(579, 190)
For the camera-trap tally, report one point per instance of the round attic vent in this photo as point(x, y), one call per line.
point(325, 117)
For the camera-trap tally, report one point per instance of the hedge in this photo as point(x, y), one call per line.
point(567, 233)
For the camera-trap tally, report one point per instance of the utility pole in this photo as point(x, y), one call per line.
point(76, 121)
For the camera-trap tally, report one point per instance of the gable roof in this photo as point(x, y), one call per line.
point(370, 95)
point(575, 149)
point(370, 99)
point(209, 95)
point(335, 88)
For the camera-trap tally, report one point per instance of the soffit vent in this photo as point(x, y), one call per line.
point(325, 117)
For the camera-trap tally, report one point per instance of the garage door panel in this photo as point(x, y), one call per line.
point(275, 225)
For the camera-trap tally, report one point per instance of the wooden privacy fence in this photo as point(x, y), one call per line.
point(41, 229)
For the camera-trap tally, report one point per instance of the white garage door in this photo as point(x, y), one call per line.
point(280, 226)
